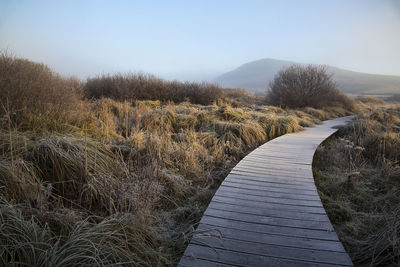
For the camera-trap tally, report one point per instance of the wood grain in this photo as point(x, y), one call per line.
point(267, 211)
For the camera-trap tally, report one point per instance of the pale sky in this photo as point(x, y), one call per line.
point(201, 39)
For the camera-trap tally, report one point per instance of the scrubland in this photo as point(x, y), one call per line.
point(99, 179)
point(358, 175)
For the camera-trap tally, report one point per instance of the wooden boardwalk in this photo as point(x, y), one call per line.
point(267, 212)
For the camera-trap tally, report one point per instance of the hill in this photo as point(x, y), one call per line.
point(256, 75)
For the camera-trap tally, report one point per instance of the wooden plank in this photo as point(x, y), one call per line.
point(268, 179)
point(302, 175)
point(269, 229)
point(285, 149)
point(302, 137)
point(284, 152)
point(187, 261)
point(326, 226)
point(273, 164)
point(268, 172)
point(277, 169)
point(290, 202)
point(240, 200)
point(303, 156)
point(257, 190)
point(234, 258)
point(266, 161)
point(291, 178)
point(286, 253)
point(287, 159)
point(273, 176)
point(278, 178)
point(276, 154)
point(267, 186)
point(270, 239)
point(243, 208)
point(272, 160)
point(271, 181)
point(267, 211)
point(305, 143)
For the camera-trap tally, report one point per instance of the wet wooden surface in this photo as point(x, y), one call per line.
point(267, 211)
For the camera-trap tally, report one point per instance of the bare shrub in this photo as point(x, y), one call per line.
point(32, 88)
point(141, 86)
point(310, 86)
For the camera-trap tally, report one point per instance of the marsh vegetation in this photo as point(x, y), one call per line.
point(358, 176)
point(119, 169)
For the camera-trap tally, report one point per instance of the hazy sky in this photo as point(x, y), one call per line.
point(195, 39)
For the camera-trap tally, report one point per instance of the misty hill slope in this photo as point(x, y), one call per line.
point(255, 76)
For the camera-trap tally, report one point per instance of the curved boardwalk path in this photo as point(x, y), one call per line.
point(267, 212)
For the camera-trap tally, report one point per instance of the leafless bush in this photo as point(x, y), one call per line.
point(32, 88)
point(148, 87)
point(30, 91)
point(309, 86)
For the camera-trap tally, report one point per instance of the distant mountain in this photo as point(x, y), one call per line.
point(255, 76)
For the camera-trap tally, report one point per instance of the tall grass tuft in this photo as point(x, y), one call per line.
point(115, 239)
point(80, 170)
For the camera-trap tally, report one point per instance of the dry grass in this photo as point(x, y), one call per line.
point(29, 242)
point(156, 161)
point(106, 181)
point(358, 176)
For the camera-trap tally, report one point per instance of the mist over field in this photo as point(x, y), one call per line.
point(182, 133)
point(257, 75)
point(200, 41)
